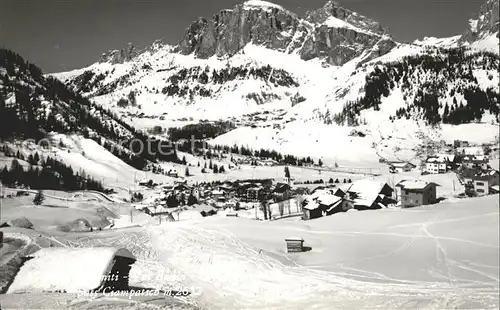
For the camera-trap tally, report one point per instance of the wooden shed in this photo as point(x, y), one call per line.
point(115, 278)
point(294, 244)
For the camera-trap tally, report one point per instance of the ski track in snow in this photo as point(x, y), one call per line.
point(232, 274)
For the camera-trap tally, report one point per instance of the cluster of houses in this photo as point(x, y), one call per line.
point(453, 156)
point(235, 195)
point(368, 195)
point(472, 167)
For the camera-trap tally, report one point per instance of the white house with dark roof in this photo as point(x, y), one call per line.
point(437, 164)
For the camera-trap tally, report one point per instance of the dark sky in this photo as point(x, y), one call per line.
point(61, 35)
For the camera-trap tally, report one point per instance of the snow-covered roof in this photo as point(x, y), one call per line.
point(361, 186)
point(67, 269)
point(256, 188)
point(414, 184)
point(449, 157)
point(204, 207)
point(189, 215)
point(485, 174)
point(313, 205)
point(472, 150)
point(294, 239)
point(160, 209)
point(474, 158)
point(328, 200)
point(401, 164)
point(367, 191)
point(381, 205)
point(436, 160)
point(318, 193)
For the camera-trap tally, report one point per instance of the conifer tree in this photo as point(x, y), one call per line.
point(39, 198)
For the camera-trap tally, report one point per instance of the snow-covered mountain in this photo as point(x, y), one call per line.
point(332, 33)
point(483, 31)
point(260, 65)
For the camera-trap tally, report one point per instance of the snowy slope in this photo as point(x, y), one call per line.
point(232, 261)
point(258, 4)
point(489, 43)
point(438, 42)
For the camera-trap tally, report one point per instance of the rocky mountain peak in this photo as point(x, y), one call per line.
point(228, 32)
point(333, 10)
point(119, 56)
point(332, 33)
point(486, 22)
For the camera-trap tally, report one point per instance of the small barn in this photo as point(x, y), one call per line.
point(74, 270)
point(173, 173)
point(205, 210)
point(294, 244)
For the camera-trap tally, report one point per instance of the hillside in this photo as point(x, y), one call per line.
point(33, 105)
point(53, 138)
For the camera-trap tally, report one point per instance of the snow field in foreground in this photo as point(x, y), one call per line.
point(387, 266)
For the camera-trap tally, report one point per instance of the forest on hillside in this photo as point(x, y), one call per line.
point(426, 82)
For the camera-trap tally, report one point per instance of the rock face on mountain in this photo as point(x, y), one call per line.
point(119, 56)
point(487, 23)
point(332, 33)
point(335, 10)
point(230, 30)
